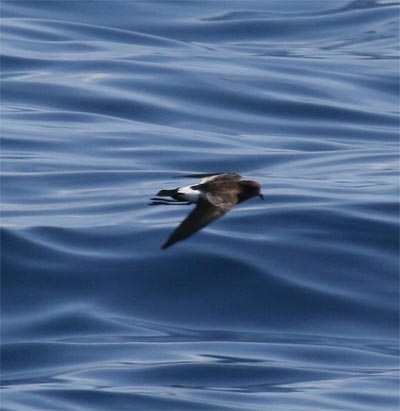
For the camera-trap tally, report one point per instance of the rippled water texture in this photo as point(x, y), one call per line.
point(288, 304)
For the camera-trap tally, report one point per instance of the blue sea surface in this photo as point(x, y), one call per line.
point(286, 304)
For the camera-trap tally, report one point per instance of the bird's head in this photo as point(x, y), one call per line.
point(251, 189)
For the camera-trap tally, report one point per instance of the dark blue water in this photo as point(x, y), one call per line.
point(286, 304)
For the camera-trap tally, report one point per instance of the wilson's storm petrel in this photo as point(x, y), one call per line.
point(215, 195)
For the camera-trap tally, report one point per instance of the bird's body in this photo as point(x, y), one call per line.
point(215, 195)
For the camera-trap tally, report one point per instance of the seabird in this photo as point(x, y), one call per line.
point(215, 195)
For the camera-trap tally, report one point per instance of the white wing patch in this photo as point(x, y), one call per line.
point(188, 194)
point(210, 178)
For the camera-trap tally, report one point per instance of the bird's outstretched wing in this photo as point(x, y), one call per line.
point(198, 175)
point(202, 215)
point(232, 176)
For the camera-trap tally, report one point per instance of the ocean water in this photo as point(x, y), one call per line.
point(285, 304)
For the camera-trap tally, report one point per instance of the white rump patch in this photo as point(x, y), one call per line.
point(188, 194)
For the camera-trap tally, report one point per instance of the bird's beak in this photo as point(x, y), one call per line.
point(261, 196)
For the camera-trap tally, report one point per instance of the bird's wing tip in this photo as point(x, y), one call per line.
point(166, 245)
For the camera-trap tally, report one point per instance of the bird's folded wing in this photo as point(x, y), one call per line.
point(202, 215)
point(222, 199)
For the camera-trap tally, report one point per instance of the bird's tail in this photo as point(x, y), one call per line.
point(167, 193)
